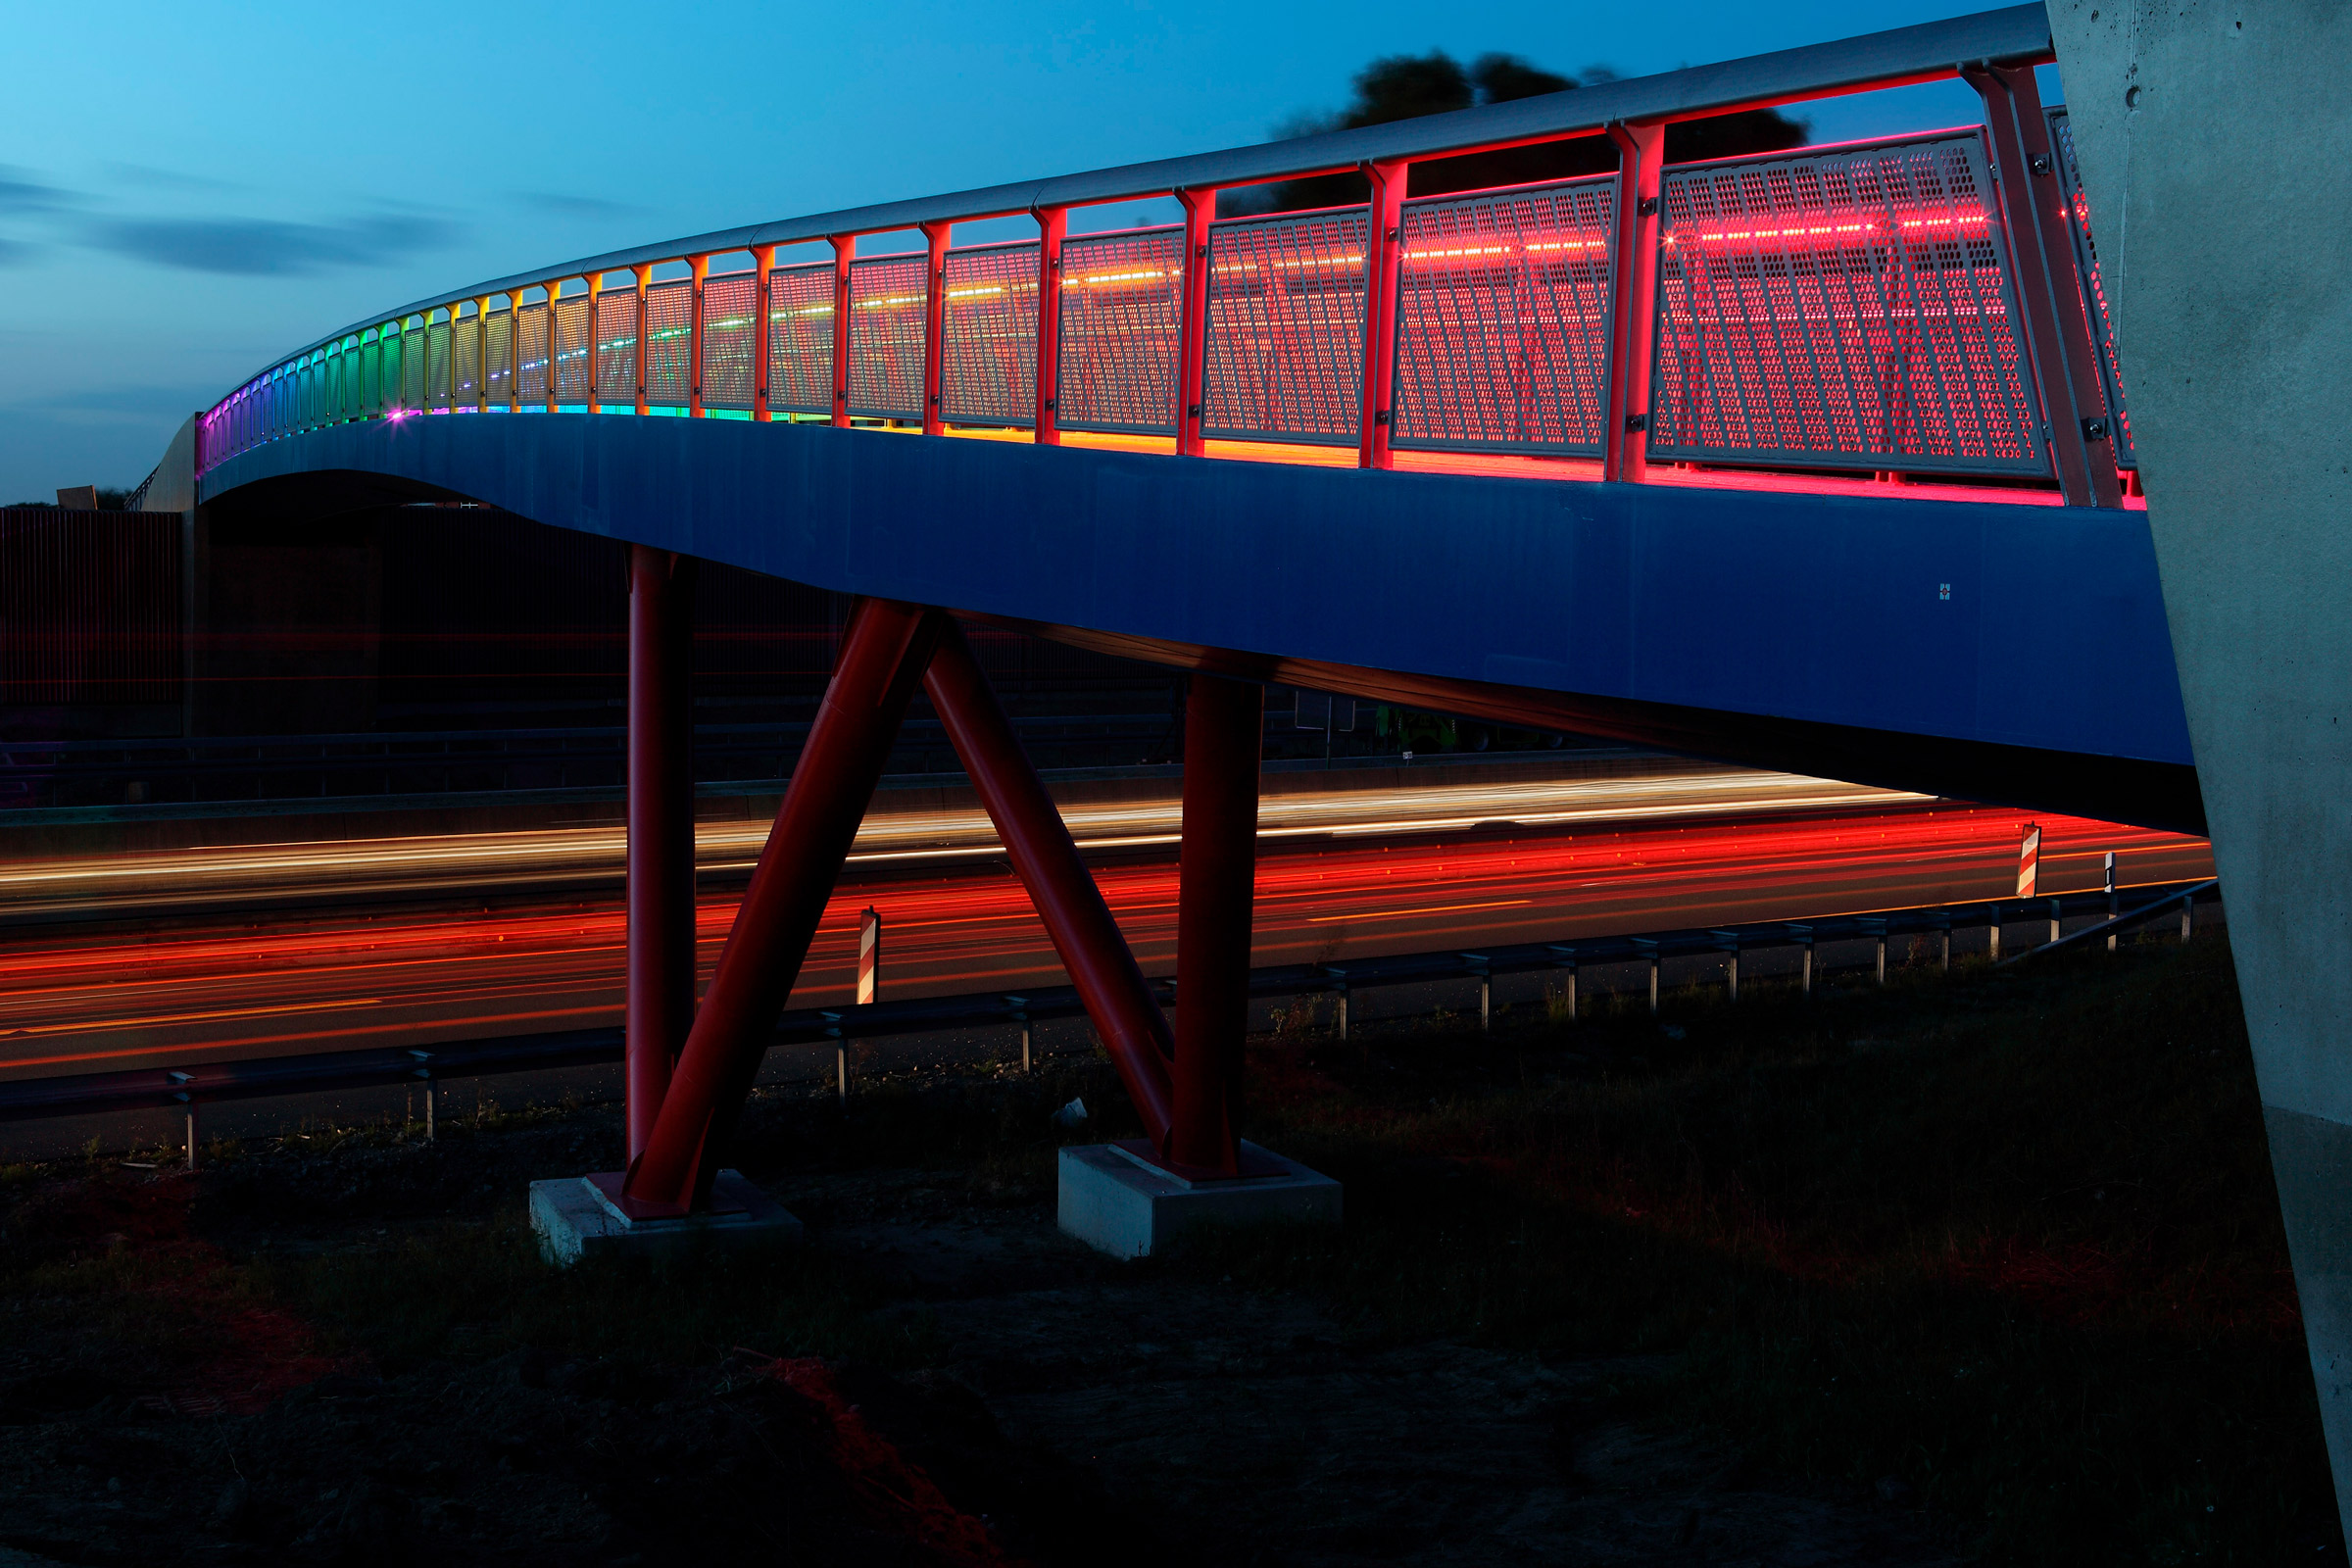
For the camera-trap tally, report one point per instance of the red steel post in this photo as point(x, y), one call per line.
point(763, 263)
point(595, 292)
point(1632, 301)
point(882, 659)
point(843, 250)
point(694, 335)
point(1384, 254)
point(1192, 339)
point(935, 319)
point(645, 348)
point(1224, 726)
point(1085, 936)
point(1052, 223)
point(661, 811)
point(2049, 290)
point(554, 397)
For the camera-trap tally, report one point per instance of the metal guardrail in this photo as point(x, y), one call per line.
point(271, 1077)
point(1912, 331)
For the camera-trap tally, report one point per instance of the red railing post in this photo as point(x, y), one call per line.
point(642, 357)
point(481, 350)
point(660, 1008)
point(882, 659)
point(554, 398)
point(1224, 725)
point(596, 290)
point(1053, 225)
point(935, 320)
point(2049, 290)
point(1384, 254)
point(1085, 936)
point(694, 335)
point(1632, 301)
point(844, 249)
point(1192, 339)
point(763, 305)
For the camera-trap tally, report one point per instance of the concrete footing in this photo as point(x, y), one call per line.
point(580, 1217)
point(1117, 1198)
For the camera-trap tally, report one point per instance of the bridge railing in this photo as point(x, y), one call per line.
point(1924, 305)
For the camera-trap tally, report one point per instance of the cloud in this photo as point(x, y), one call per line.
point(19, 192)
point(575, 206)
point(262, 247)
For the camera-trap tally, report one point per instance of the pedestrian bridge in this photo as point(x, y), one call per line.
point(1815, 459)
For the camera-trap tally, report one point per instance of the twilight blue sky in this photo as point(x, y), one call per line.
point(187, 190)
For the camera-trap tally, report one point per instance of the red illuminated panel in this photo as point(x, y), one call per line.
point(1286, 328)
point(1503, 319)
point(616, 346)
point(730, 310)
point(1121, 312)
point(888, 302)
point(530, 356)
point(988, 336)
point(669, 342)
point(572, 355)
point(799, 349)
point(2095, 290)
point(1847, 308)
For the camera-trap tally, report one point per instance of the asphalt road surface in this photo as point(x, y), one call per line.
point(1342, 873)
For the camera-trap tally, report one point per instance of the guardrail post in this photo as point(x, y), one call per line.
point(2188, 911)
point(1943, 932)
point(1632, 301)
point(882, 659)
point(642, 357)
point(1803, 936)
point(1192, 341)
point(763, 264)
point(1224, 725)
point(2056, 915)
point(844, 248)
point(1339, 985)
point(841, 1055)
point(935, 320)
point(433, 1089)
point(660, 888)
point(1020, 1016)
point(1878, 929)
point(1484, 969)
point(1992, 933)
point(1384, 254)
point(2049, 290)
point(694, 335)
point(1563, 958)
point(187, 1101)
point(1053, 225)
point(1729, 942)
point(1650, 950)
point(2110, 872)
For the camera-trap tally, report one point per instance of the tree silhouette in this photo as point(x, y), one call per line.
point(1398, 87)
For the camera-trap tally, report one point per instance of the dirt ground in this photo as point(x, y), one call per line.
point(272, 1361)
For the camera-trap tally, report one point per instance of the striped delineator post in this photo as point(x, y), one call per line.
point(2028, 860)
point(869, 957)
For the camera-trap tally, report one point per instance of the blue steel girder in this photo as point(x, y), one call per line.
point(1997, 650)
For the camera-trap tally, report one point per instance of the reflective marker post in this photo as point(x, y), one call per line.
point(870, 958)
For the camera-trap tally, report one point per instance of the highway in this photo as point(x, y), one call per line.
point(1341, 873)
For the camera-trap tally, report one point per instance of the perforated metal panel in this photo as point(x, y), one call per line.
point(498, 356)
point(616, 348)
point(466, 343)
point(1286, 328)
point(436, 364)
point(2094, 291)
point(530, 356)
point(573, 357)
point(988, 336)
point(1848, 309)
point(1122, 310)
point(1503, 319)
point(799, 349)
point(669, 342)
point(730, 308)
point(888, 300)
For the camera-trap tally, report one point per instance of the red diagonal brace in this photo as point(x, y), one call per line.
point(1224, 725)
point(882, 658)
point(1085, 936)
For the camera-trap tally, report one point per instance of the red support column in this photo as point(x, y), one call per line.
point(1224, 726)
point(763, 263)
point(1632, 301)
point(1085, 936)
point(935, 319)
point(882, 658)
point(645, 348)
point(843, 250)
point(1052, 223)
point(1192, 339)
point(661, 809)
point(1384, 251)
point(2049, 291)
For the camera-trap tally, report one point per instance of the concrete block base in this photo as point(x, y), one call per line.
point(1118, 1199)
point(579, 1216)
